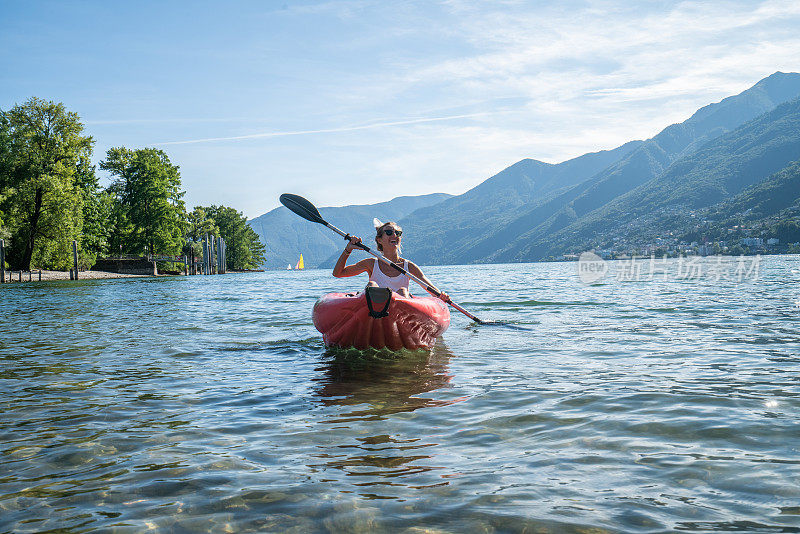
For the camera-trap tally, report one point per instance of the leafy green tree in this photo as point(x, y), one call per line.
point(244, 248)
point(5, 171)
point(95, 214)
point(149, 214)
point(43, 148)
point(737, 250)
point(200, 224)
point(788, 231)
point(4, 233)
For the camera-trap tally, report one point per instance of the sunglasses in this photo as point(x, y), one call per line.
point(392, 231)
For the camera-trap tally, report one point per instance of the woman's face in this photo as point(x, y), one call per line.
point(390, 236)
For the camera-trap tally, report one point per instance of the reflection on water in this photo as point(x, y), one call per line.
point(371, 386)
point(382, 382)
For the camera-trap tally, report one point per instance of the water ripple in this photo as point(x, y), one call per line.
point(211, 404)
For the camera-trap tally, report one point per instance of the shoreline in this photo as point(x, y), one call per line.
point(47, 276)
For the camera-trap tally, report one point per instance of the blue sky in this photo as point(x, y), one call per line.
point(359, 101)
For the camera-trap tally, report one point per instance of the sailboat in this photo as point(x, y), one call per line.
point(288, 267)
point(300, 264)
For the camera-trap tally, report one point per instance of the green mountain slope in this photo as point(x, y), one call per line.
point(769, 198)
point(717, 172)
point(545, 228)
point(435, 234)
point(769, 209)
point(286, 236)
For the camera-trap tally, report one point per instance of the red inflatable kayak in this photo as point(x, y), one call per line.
point(380, 318)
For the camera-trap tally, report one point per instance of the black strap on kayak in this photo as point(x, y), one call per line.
point(385, 311)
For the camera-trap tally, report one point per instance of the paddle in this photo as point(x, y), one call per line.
point(306, 210)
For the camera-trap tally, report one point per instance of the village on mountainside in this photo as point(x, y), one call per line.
point(702, 237)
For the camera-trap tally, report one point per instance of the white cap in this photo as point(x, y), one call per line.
point(376, 223)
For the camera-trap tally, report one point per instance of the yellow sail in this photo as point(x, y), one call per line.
point(300, 263)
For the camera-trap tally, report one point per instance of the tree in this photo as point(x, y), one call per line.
point(149, 212)
point(243, 247)
point(42, 146)
point(788, 231)
point(5, 171)
point(200, 224)
point(96, 213)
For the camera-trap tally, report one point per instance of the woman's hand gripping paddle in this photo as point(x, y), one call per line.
point(306, 210)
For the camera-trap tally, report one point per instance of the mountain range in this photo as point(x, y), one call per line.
point(715, 173)
point(286, 236)
point(534, 210)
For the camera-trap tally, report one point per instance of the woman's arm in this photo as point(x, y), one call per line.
point(340, 270)
point(416, 271)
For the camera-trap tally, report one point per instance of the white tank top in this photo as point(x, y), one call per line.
point(392, 282)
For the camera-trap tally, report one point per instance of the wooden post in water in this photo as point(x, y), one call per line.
point(219, 255)
point(2, 261)
point(205, 254)
point(40, 275)
point(75, 257)
point(223, 261)
point(211, 269)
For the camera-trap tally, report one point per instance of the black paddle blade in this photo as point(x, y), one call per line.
point(302, 207)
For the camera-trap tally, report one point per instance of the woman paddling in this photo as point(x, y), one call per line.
point(381, 275)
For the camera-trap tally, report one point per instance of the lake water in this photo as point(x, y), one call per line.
point(649, 403)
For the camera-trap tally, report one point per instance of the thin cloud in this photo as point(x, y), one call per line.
point(104, 122)
point(328, 130)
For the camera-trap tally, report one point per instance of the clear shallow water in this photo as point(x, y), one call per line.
point(210, 404)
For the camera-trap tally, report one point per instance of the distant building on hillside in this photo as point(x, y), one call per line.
point(773, 241)
point(752, 242)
